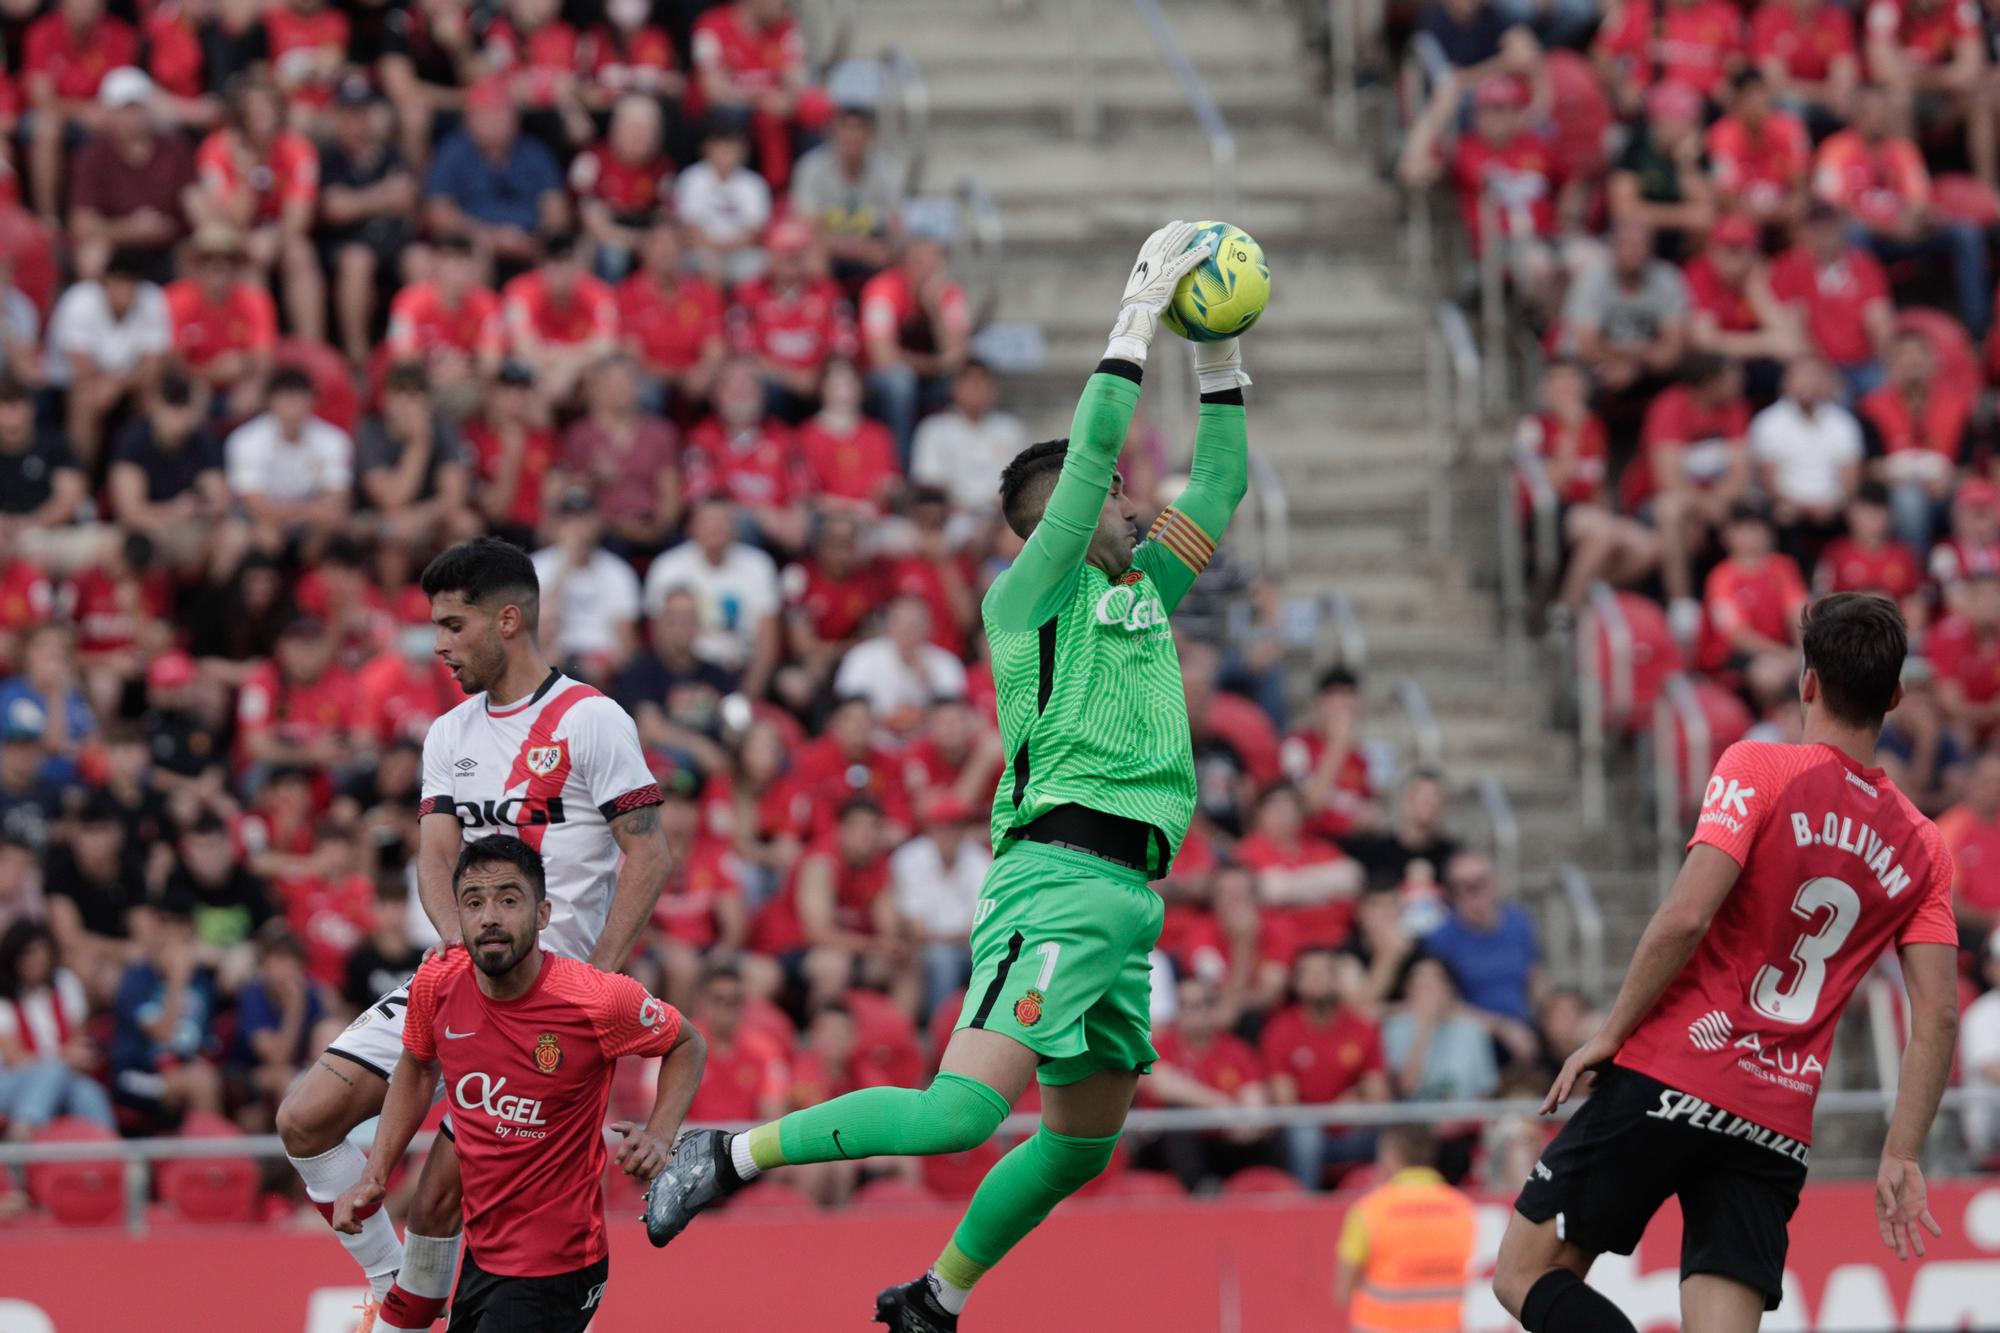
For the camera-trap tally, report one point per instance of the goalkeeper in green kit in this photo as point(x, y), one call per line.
point(1096, 796)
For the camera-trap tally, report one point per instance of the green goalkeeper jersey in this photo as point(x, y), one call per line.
point(1091, 707)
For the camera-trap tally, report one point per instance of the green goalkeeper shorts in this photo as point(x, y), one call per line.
point(1061, 960)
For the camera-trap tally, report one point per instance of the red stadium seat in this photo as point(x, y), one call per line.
point(1726, 717)
point(957, 1175)
point(1135, 1185)
point(885, 1037)
point(1963, 198)
point(891, 1192)
point(27, 246)
point(1581, 113)
point(763, 1016)
point(771, 1195)
point(1629, 695)
point(78, 1193)
point(209, 1189)
point(1262, 1180)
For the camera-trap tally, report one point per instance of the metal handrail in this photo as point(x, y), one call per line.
point(1424, 728)
point(1347, 630)
point(1344, 64)
point(912, 103)
point(1586, 919)
point(1506, 831)
point(1454, 374)
point(1545, 551)
point(986, 234)
point(1595, 702)
point(1274, 515)
point(1673, 788)
point(1221, 143)
point(1885, 1035)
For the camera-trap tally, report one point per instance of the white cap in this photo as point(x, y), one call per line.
point(124, 86)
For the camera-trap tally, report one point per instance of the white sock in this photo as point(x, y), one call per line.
point(429, 1264)
point(950, 1297)
point(376, 1249)
point(739, 1156)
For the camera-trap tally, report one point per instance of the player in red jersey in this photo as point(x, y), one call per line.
point(1806, 864)
point(526, 1041)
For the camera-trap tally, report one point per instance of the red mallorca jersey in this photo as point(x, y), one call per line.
point(1848, 566)
point(422, 323)
point(296, 43)
point(1690, 44)
point(859, 465)
point(528, 1081)
point(669, 329)
point(1807, 47)
point(799, 329)
point(759, 467)
point(290, 174)
point(588, 312)
point(1838, 866)
point(75, 66)
point(631, 190)
point(246, 321)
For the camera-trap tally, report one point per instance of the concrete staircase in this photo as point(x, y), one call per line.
point(1339, 359)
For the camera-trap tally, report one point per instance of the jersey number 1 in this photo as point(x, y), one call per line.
point(1792, 996)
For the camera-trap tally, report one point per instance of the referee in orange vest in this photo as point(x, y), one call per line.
point(1406, 1247)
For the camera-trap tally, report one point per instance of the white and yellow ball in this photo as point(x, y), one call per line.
point(1222, 296)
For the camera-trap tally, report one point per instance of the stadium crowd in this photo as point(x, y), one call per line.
point(294, 295)
point(1756, 243)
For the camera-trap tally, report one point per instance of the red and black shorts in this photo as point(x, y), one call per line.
point(562, 1303)
point(1636, 1142)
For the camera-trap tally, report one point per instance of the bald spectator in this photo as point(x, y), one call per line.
point(1808, 452)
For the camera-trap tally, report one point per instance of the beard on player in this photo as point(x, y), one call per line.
point(496, 950)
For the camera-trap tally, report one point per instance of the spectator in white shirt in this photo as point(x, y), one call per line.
point(725, 206)
point(735, 586)
point(965, 449)
point(105, 338)
point(1979, 1057)
point(292, 472)
point(900, 672)
point(590, 598)
point(935, 879)
point(1808, 452)
point(45, 1054)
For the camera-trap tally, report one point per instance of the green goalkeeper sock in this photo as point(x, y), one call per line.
point(1014, 1198)
point(954, 1114)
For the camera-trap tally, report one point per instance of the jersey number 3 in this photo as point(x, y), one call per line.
point(1791, 995)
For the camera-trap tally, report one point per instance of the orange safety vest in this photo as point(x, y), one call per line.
point(1415, 1236)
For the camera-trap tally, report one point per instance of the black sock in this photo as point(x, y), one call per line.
point(725, 1165)
point(1562, 1302)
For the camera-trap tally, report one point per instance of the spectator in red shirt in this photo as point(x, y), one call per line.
point(843, 762)
point(1934, 50)
point(1309, 882)
point(916, 331)
point(621, 183)
point(628, 53)
point(1569, 440)
point(1735, 313)
point(750, 61)
point(749, 456)
point(1878, 178)
point(514, 451)
point(1759, 156)
point(829, 597)
point(1866, 559)
point(449, 322)
point(298, 709)
point(536, 55)
point(1807, 52)
point(1694, 464)
point(1839, 295)
point(559, 319)
point(1698, 43)
point(1753, 600)
point(398, 693)
point(672, 322)
point(225, 326)
point(932, 569)
point(307, 42)
point(1325, 763)
point(1319, 1051)
point(628, 459)
point(65, 56)
point(746, 1077)
point(791, 322)
point(837, 920)
point(850, 459)
point(1971, 832)
point(1964, 650)
point(126, 183)
point(1916, 425)
point(1203, 1064)
point(263, 179)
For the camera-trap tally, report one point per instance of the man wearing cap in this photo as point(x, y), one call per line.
point(126, 182)
point(590, 598)
point(30, 801)
point(1972, 546)
point(794, 320)
point(494, 186)
point(367, 197)
point(851, 189)
point(1839, 295)
point(934, 879)
point(225, 326)
point(292, 472)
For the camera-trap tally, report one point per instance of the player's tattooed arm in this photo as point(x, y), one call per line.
point(641, 876)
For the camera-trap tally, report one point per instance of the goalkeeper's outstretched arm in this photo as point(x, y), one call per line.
point(1185, 535)
point(1043, 576)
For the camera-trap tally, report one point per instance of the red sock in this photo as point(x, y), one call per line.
point(400, 1310)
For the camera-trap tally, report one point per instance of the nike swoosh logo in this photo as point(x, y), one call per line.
point(837, 1148)
point(457, 1036)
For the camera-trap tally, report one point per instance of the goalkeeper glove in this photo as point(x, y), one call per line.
point(1163, 261)
point(1219, 366)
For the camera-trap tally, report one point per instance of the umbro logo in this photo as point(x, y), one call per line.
point(466, 765)
point(457, 1036)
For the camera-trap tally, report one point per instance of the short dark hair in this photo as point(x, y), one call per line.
point(1025, 484)
point(502, 849)
point(1415, 1145)
point(1872, 491)
point(483, 569)
point(292, 379)
point(17, 940)
point(126, 262)
point(1338, 677)
point(1856, 643)
point(1703, 368)
point(407, 377)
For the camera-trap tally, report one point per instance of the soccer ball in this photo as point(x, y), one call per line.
point(1223, 296)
